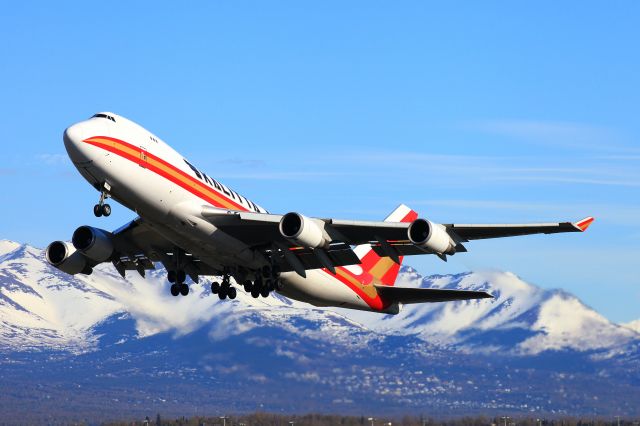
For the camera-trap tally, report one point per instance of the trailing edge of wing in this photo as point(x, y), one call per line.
point(407, 295)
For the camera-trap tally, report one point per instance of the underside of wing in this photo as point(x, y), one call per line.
point(137, 246)
point(468, 232)
point(406, 295)
point(255, 229)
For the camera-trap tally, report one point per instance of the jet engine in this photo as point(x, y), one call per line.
point(431, 236)
point(64, 256)
point(94, 243)
point(303, 231)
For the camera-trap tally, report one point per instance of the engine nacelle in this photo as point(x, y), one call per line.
point(431, 236)
point(94, 243)
point(66, 258)
point(303, 231)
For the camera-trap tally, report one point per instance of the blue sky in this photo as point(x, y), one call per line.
point(473, 112)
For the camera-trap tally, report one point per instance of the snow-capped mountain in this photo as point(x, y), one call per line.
point(633, 325)
point(43, 307)
point(522, 319)
point(134, 350)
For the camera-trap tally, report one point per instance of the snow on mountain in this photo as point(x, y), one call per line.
point(521, 319)
point(41, 307)
point(633, 325)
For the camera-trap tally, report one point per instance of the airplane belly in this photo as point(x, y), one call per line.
point(320, 289)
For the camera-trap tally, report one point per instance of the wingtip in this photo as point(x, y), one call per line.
point(583, 224)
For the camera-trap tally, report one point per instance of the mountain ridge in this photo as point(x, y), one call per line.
point(36, 295)
point(135, 350)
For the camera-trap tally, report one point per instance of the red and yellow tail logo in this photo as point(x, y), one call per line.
point(584, 223)
point(382, 270)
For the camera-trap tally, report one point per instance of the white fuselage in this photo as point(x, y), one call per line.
point(149, 177)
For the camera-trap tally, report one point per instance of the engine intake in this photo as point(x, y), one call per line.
point(431, 236)
point(303, 231)
point(64, 256)
point(94, 243)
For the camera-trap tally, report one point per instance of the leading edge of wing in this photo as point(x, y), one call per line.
point(408, 295)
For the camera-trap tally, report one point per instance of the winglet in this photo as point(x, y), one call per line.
point(584, 223)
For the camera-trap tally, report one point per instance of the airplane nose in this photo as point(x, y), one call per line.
point(73, 137)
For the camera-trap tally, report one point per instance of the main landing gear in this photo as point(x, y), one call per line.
point(102, 209)
point(267, 280)
point(224, 289)
point(177, 278)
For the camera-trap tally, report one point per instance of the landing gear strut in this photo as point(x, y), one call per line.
point(102, 209)
point(178, 277)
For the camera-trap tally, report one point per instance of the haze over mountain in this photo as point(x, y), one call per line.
point(528, 349)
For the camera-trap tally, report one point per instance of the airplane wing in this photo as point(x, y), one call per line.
point(137, 247)
point(255, 229)
point(477, 232)
point(462, 233)
point(388, 239)
point(407, 295)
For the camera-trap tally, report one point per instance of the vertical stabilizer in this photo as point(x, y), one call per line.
point(383, 270)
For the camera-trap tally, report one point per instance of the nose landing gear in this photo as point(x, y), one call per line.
point(102, 209)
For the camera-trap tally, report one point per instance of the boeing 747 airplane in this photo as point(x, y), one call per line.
point(195, 226)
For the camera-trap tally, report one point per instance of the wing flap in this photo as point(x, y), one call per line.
point(407, 295)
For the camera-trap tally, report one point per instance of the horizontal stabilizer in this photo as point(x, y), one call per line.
point(406, 295)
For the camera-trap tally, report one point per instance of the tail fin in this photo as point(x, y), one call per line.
point(383, 270)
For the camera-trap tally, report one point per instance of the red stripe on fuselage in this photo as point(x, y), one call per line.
point(375, 303)
point(136, 159)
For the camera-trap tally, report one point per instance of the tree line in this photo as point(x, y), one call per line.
point(268, 419)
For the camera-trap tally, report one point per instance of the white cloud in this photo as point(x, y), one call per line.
point(53, 159)
point(556, 133)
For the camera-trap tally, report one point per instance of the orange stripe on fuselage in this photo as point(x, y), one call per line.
point(164, 169)
point(159, 166)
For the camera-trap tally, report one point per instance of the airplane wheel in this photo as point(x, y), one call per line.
point(268, 284)
point(97, 210)
point(215, 287)
point(232, 293)
point(248, 286)
point(171, 276)
point(175, 290)
point(257, 283)
point(106, 210)
point(255, 293)
point(181, 276)
point(184, 289)
point(222, 294)
point(264, 292)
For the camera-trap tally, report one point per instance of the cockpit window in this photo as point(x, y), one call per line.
point(108, 117)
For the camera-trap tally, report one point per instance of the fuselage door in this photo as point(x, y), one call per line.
point(143, 156)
